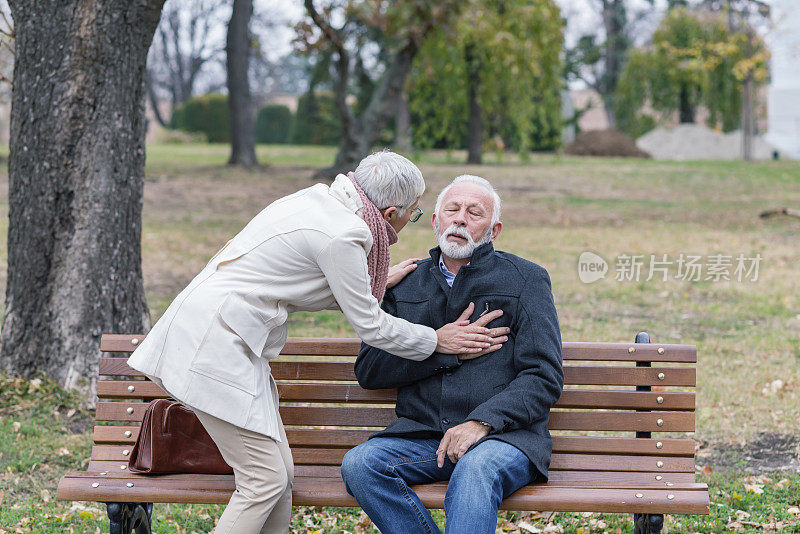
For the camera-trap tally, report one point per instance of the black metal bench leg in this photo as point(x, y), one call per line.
point(126, 517)
point(648, 523)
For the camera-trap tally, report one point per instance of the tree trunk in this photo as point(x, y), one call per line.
point(748, 119)
point(153, 98)
point(360, 134)
point(475, 125)
point(616, 47)
point(76, 177)
point(243, 142)
point(748, 114)
point(402, 140)
point(686, 107)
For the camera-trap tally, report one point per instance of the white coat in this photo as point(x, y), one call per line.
point(307, 251)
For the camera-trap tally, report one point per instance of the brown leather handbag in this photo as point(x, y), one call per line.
point(172, 440)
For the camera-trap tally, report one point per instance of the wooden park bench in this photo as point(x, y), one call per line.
point(604, 457)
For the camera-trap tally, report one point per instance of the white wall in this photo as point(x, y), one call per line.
point(783, 107)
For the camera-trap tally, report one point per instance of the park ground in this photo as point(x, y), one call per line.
point(747, 329)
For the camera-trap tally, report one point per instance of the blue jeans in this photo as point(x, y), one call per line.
point(378, 474)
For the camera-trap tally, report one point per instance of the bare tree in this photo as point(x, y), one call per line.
point(402, 139)
point(6, 48)
point(598, 57)
point(238, 49)
point(76, 177)
point(397, 30)
point(183, 46)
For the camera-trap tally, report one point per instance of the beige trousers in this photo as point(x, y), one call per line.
point(263, 471)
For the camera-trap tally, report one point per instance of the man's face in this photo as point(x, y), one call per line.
point(464, 221)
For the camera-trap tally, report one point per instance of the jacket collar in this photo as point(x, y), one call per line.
point(343, 190)
point(480, 255)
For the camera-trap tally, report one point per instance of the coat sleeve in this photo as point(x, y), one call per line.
point(343, 261)
point(377, 369)
point(537, 357)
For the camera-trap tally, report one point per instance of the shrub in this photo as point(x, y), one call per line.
point(273, 123)
point(610, 143)
point(208, 114)
point(178, 137)
point(317, 121)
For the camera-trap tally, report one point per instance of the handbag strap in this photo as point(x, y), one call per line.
point(165, 419)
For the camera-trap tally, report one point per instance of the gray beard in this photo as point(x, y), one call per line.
point(454, 250)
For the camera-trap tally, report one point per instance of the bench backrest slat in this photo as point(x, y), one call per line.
point(572, 350)
point(349, 393)
point(573, 375)
point(346, 439)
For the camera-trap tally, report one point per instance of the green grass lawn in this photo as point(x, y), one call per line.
point(555, 208)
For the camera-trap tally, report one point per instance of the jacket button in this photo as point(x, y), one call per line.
point(445, 421)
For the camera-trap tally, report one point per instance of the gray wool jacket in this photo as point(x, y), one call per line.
point(512, 389)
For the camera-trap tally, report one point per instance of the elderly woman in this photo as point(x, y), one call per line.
point(325, 247)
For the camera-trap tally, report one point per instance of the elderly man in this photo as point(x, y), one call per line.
point(479, 423)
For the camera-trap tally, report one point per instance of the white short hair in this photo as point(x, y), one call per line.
point(468, 178)
point(389, 179)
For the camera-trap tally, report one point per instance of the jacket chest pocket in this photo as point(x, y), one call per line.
point(419, 312)
point(489, 303)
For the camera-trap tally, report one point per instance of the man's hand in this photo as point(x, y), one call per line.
point(458, 439)
point(463, 337)
point(498, 335)
point(399, 271)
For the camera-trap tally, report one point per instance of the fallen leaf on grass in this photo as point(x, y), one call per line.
point(761, 479)
point(758, 489)
point(364, 521)
point(546, 516)
point(34, 384)
point(773, 387)
point(527, 527)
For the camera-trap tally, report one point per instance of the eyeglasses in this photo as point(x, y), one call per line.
point(416, 213)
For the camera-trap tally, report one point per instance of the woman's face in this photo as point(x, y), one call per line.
point(399, 222)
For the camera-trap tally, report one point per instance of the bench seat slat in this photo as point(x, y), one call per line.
point(346, 393)
point(310, 491)
point(620, 479)
point(572, 350)
point(346, 439)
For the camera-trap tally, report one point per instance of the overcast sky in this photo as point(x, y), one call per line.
point(581, 17)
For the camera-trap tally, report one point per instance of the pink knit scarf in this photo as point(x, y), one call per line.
point(383, 235)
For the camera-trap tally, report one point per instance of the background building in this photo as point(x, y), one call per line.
point(784, 93)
